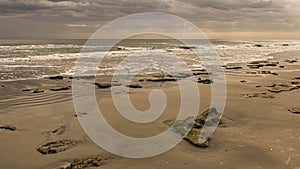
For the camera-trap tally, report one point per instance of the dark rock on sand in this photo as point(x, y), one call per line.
point(201, 72)
point(243, 81)
point(297, 78)
point(134, 86)
point(60, 88)
point(258, 45)
point(233, 67)
point(281, 66)
point(163, 79)
point(56, 77)
point(187, 47)
point(8, 127)
point(103, 85)
point(295, 110)
point(86, 162)
point(205, 81)
point(295, 82)
point(271, 64)
point(57, 146)
point(251, 72)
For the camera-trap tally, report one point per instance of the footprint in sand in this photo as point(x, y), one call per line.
point(87, 162)
point(54, 147)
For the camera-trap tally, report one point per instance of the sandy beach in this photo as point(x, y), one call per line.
point(39, 126)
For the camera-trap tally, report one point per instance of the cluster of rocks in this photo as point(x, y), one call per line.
point(39, 90)
point(278, 88)
point(262, 63)
point(261, 95)
point(86, 162)
point(54, 147)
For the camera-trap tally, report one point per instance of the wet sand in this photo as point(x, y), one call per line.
point(261, 131)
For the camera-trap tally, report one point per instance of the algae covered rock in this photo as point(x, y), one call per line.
point(197, 130)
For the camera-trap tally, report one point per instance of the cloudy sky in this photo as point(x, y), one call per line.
point(222, 19)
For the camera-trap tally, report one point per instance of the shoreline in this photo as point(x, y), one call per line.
point(260, 123)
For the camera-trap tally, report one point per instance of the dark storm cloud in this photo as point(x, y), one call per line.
point(212, 15)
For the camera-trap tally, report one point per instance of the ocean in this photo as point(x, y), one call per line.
point(31, 59)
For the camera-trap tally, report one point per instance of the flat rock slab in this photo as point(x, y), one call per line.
point(193, 129)
point(166, 79)
point(60, 88)
point(103, 85)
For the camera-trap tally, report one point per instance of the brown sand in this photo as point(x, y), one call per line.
point(259, 133)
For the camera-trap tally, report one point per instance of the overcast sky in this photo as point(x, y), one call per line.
point(222, 19)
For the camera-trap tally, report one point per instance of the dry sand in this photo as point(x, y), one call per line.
point(261, 131)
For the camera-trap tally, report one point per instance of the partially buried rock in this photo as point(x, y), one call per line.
point(56, 77)
point(57, 146)
point(233, 67)
point(295, 110)
point(198, 134)
point(8, 127)
point(37, 91)
point(134, 86)
point(60, 88)
point(164, 79)
point(205, 81)
point(271, 64)
point(103, 85)
point(291, 61)
point(297, 78)
point(258, 45)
